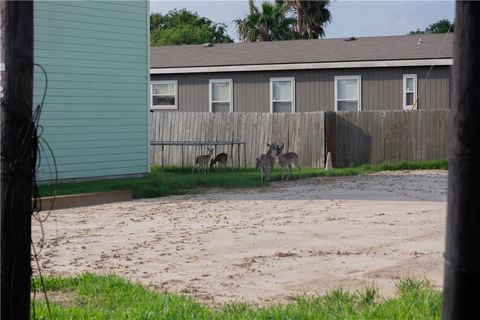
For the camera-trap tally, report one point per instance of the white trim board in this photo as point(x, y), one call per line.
point(164, 107)
point(149, 93)
point(359, 89)
point(404, 92)
point(230, 92)
point(292, 80)
point(306, 66)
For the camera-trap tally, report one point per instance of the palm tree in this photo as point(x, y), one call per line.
point(311, 17)
point(270, 24)
point(250, 6)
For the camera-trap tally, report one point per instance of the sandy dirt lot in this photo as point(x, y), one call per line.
point(262, 245)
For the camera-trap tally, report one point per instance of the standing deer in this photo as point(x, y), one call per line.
point(201, 162)
point(271, 147)
point(221, 159)
point(265, 163)
point(286, 159)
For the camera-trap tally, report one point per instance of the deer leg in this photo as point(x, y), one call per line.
point(289, 171)
point(282, 169)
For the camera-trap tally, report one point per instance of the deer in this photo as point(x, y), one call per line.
point(265, 163)
point(221, 159)
point(271, 147)
point(201, 162)
point(286, 159)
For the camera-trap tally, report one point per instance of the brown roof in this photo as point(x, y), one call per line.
point(304, 51)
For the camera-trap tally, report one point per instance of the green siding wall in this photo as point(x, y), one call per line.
point(95, 116)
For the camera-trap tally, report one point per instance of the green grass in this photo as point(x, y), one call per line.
point(109, 297)
point(175, 181)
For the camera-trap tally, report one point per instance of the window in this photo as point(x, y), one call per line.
point(164, 94)
point(282, 95)
point(221, 95)
point(348, 93)
point(409, 91)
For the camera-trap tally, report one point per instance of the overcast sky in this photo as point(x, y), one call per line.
point(349, 17)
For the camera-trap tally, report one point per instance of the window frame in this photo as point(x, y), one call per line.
point(210, 93)
point(175, 86)
point(359, 90)
point(292, 80)
point(415, 102)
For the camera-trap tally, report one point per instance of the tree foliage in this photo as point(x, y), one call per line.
point(284, 20)
point(311, 17)
point(268, 24)
point(441, 26)
point(185, 27)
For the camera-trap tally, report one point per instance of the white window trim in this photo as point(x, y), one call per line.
point(415, 102)
point(175, 83)
point(291, 79)
point(230, 93)
point(359, 90)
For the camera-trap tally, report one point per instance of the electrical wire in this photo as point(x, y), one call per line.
point(415, 105)
point(25, 152)
point(41, 145)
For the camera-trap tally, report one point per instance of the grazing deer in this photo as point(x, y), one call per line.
point(286, 159)
point(265, 163)
point(201, 162)
point(221, 159)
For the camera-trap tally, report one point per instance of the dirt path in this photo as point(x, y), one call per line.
point(260, 245)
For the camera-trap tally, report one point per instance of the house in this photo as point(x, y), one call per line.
point(95, 116)
point(371, 73)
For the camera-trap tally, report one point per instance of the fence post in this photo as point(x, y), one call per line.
point(329, 133)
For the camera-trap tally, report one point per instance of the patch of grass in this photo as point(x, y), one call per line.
point(176, 181)
point(110, 297)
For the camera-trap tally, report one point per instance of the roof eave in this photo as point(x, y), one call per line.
point(306, 66)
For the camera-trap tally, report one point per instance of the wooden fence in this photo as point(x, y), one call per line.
point(302, 133)
point(387, 136)
point(353, 137)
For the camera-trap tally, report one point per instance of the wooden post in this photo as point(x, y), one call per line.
point(16, 37)
point(231, 154)
point(330, 130)
point(163, 158)
point(238, 155)
point(182, 156)
point(245, 155)
point(462, 256)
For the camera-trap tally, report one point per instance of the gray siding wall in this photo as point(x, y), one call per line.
point(382, 88)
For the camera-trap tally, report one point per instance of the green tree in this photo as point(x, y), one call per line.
point(185, 27)
point(269, 24)
point(441, 26)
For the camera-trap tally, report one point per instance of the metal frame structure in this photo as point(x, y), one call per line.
point(201, 144)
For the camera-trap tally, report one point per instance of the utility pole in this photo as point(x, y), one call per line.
point(462, 256)
point(16, 42)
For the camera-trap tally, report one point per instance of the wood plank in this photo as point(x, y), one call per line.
point(322, 139)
